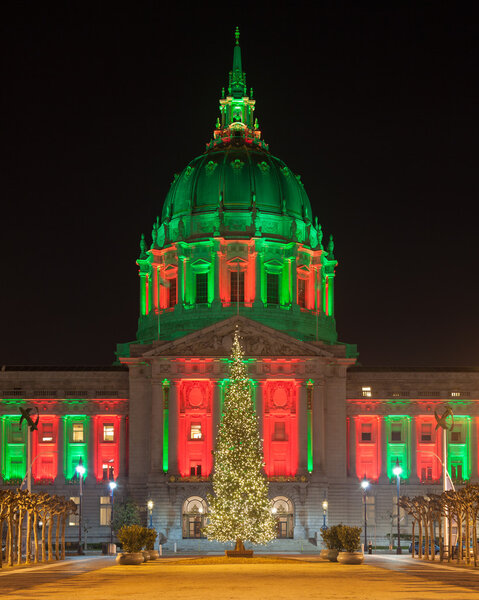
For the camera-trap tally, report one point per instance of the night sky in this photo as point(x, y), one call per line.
point(377, 109)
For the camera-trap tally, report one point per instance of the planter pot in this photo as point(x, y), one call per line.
point(154, 554)
point(130, 558)
point(328, 554)
point(351, 558)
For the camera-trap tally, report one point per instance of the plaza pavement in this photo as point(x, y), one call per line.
point(303, 577)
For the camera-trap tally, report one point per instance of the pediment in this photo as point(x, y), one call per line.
point(258, 341)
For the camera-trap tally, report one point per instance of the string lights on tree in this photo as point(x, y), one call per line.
point(240, 510)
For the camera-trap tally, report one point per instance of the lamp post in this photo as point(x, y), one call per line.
point(364, 486)
point(112, 486)
point(80, 469)
point(397, 470)
point(325, 508)
point(150, 512)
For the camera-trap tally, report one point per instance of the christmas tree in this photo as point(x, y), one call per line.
point(240, 509)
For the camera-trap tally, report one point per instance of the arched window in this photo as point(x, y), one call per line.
point(283, 511)
point(195, 512)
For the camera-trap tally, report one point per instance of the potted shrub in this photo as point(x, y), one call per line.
point(150, 544)
point(132, 539)
point(332, 542)
point(350, 541)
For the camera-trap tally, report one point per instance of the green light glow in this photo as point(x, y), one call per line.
point(310, 442)
point(459, 452)
point(399, 448)
point(14, 459)
point(73, 451)
point(166, 411)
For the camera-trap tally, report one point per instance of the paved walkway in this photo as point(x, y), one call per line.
point(382, 577)
point(28, 577)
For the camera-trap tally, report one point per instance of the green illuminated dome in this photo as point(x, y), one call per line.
point(237, 177)
point(236, 236)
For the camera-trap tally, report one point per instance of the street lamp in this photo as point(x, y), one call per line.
point(112, 486)
point(364, 486)
point(150, 512)
point(80, 469)
point(325, 508)
point(397, 470)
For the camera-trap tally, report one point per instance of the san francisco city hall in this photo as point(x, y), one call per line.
point(237, 243)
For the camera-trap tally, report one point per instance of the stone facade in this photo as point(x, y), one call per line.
point(237, 245)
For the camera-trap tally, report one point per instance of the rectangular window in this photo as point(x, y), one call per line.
point(366, 432)
point(195, 470)
point(426, 474)
point(16, 434)
point(237, 286)
point(456, 436)
point(108, 432)
point(108, 471)
point(366, 390)
point(302, 292)
point(279, 431)
point(456, 472)
point(396, 432)
point(77, 432)
point(47, 433)
point(195, 431)
point(73, 519)
point(172, 293)
point(105, 511)
point(201, 288)
point(426, 432)
point(272, 288)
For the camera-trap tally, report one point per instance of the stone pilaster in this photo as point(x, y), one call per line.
point(156, 427)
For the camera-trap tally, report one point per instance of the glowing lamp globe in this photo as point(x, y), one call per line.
point(397, 470)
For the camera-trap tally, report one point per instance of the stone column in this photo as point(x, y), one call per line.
point(259, 406)
point(122, 467)
point(413, 446)
point(383, 450)
point(91, 450)
point(173, 429)
point(352, 447)
point(319, 428)
point(293, 282)
point(216, 410)
point(302, 430)
point(216, 273)
point(258, 284)
point(156, 427)
point(60, 449)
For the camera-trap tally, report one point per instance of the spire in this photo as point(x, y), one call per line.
point(237, 108)
point(237, 86)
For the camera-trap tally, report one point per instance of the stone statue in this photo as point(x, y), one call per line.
point(181, 229)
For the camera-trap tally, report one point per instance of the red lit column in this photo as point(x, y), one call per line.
point(60, 447)
point(259, 407)
point(413, 449)
point(383, 449)
point(156, 427)
point(302, 430)
point(216, 411)
point(122, 467)
point(258, 283)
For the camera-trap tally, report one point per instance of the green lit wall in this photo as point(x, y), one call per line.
point(398, 444)
point(14, 448)
point(72, 450)
point(459, 447)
